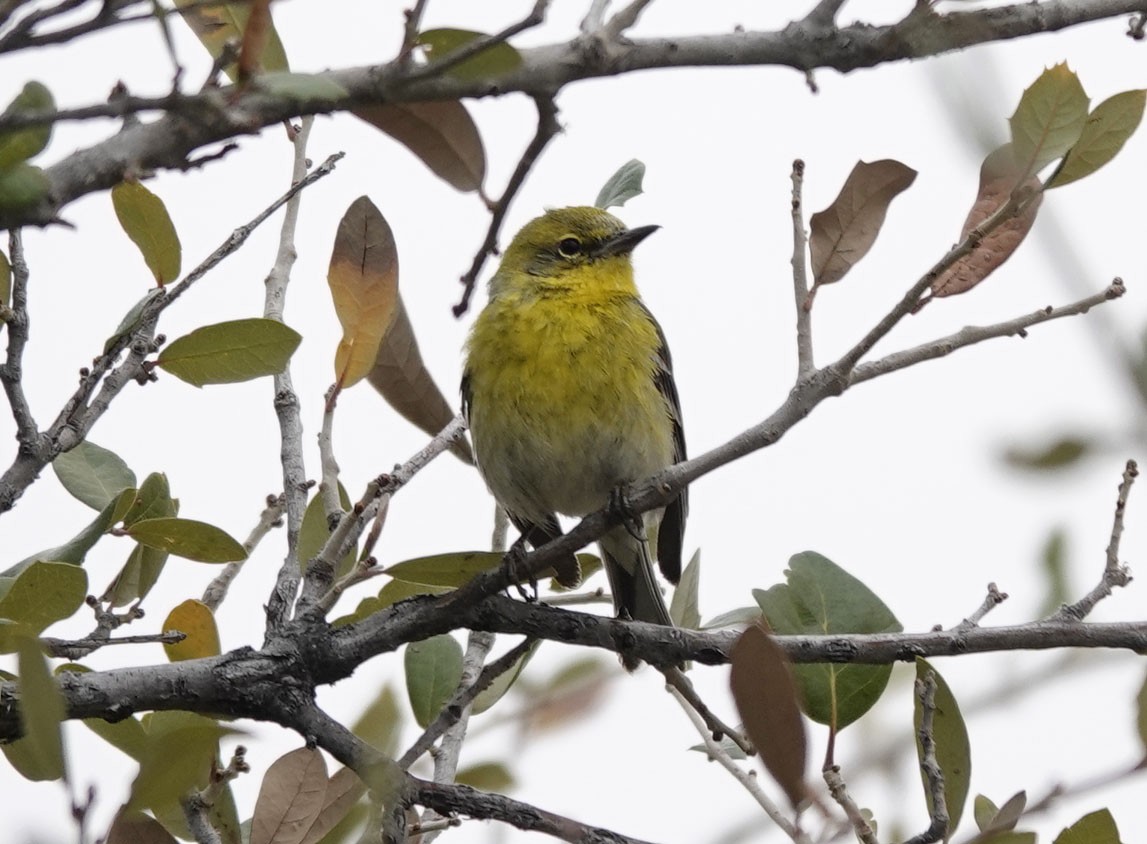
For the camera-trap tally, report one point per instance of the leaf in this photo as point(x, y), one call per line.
point(1009, 838)
point(93, 474)
point(1053, 564)
point(144, 218)
point(188, 538)
point(440, 132)
point(446, 569)
point(733, 618)
point(1107, 129)
point(402, 379)
point(217, 25)
point(230, 352)
point(42, 594)
point(390, 594)
point(363, 278)
point(314, 533)
point(433, 671)
point(569, 695)
point(181, 748)
point(953, 751)
point(1094, 828)
point(256, 33)
point(1058, 454)
point(5, 280)
point(39, 754)
point(23, 187)
point(622, 186)
point(18, 145)
point(195, 620)
point(999, 178)
point(1049, 119)
point(766, 699)
point(133, 319)
point(683, 609)
point(380, 724)
point(137, 576)
point(75, 549)
point(136, 828)
point(990, 819)
point(487, 776)
point(290, 798)
point(343, 791)
point(822, 598)
point(503, 682)
point(152, 501)
point(1141, 714)
point(493, 61)
point(842, 234)
point(302, 89)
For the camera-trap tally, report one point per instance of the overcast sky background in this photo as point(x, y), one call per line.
point(900, 481)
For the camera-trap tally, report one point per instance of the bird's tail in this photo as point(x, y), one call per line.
point(632, 580)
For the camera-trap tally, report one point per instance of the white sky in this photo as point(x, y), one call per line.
point(900, 482)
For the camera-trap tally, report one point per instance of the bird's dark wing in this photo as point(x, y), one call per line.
point(671, 534)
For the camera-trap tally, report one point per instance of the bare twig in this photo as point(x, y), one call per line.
point(938, 828)
point(675, 678)
point(839, 792)
point(80, 648)
point(805, 364)
point(548, 127)
point(823, 14)
point(992, 600)
point(411, 30)
point(286, 400)
point(12, 372)
point(594, 17)
point(747, 779)
point(625, 18)
point(271, 517)
point(1115, 574)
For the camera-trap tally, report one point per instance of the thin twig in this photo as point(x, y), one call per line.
point(1115, 574)
point(286, 401)
point(992, 600)
point(929, 765)
point(12, 372)
point(594, 18)
point(80, 648)
point(411, 30)
point(548, 127)
point(805, 364)
point(747, 779)
point(823, 14)
point(625, 18)
point(271, 517)
point(839, 792)
point(675, 679)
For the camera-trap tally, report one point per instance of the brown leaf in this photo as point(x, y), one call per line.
point(998, 176)
point(135, 828)
point(290, 798)
point(842, 234)
point(363, 277)
point(403, 380)
point(255, 35)
point(441, 133)
point(766, 698)
point(343, 790)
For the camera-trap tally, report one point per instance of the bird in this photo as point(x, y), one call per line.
point(569, 395)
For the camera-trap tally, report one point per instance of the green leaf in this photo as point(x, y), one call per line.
point(153, 500)
point(314, 533)
point(40, 595)
point(78, 546)
point(230, 352)
point(733, 618)
point(144, 218)
point(42, 709)
point(433, 671)
point(1053, 565)
point(1064, 452)
point(953, 751)
point(486, 776)
point(1049, 119)
point(380, 724)
point(93, 474)
point(302, 88)
point(1009, 838)
point(5, 280)
point(188, 538)
point(19, 145)
point(622, 186)
point(1141, 714)
point(684, 609)
point(181, 747)
point(445, 569)
point(822, 598)
point(23, 187)
point(983, 810)
point(137, 576)
point(1107, 129)
point(390, 594)
point(1095, 828)
point(493, 61)
point(990, 819)
point(503, 682)
point(126, 734)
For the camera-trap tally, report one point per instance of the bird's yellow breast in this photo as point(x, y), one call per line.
point(564, 405)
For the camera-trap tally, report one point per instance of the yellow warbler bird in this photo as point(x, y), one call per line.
point(569, 393)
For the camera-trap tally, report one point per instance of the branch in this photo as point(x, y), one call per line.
point(548, 127)
point(213, 116)
point(930, 765)
point(805, 364)
point(12, 372)
point(271, 517)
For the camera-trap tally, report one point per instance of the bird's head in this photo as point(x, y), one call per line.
point(569, 247)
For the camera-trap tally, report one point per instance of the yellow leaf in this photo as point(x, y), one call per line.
point(197, 622)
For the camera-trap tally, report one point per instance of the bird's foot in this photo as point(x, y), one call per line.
point(622, 510)
point(517, 571)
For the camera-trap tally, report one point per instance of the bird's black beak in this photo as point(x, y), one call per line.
point(624, 243)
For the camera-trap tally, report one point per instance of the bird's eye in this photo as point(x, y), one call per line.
point(569, 247)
